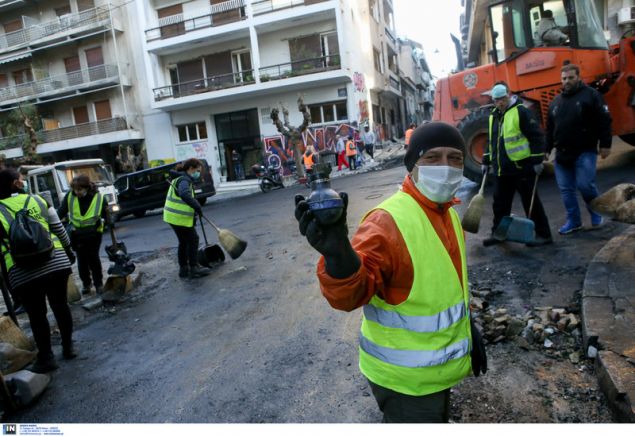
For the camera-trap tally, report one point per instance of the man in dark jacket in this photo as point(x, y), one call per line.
point(516, 147)
point(578, 119)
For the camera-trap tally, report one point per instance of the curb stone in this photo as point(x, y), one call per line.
point(608, 321)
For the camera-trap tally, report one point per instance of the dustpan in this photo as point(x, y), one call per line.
point(209, 255)
point(515, 228)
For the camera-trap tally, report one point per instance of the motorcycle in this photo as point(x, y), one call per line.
point(268, 178)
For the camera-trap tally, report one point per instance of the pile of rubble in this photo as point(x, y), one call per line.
point(555, 331)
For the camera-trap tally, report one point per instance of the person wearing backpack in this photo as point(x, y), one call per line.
point(36, 263)
point(86, 211)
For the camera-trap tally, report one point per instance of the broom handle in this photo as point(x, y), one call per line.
point(480, 191)
point(211, 223)
point(533, 196)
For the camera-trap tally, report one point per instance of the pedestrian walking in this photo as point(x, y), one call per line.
point(359, 144)
point(368, 138)
point(408, 134)
point(351, 153)
point(515, 154)
point(86, 211)
point(180, 211)
point(309, 158)
point(38, 278)
point(577, 122)
point(340, 148)
point(406, 267)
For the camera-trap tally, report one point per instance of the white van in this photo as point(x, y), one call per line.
point(56, 180)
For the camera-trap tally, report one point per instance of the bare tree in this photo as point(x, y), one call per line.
point(293, 135)
point(30, 150)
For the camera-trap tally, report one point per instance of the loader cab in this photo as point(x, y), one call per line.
point(521, 25)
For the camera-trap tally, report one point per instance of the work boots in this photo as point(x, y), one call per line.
point(43, 365)
point(198, 271)
point(184, 272)
point(68, 351)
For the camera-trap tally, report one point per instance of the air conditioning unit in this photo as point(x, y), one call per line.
point(626, 16)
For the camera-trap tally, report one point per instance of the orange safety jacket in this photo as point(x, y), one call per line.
point(308, 161)
point(351, 150)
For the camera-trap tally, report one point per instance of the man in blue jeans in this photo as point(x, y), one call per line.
point(578, 120)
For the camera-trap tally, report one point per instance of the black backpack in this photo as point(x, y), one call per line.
point(30, 244)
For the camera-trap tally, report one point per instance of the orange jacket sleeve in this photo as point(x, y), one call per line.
point(386, 268)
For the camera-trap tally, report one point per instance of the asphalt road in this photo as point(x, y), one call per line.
point(256, 342)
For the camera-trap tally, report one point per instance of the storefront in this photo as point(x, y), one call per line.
point(239, 144)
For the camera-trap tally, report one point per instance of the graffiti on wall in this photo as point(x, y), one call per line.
point(359, 82)
point(362, 115)
point(197, 150)
point(277, 151)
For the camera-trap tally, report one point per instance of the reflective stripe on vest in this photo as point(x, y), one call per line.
point(516, 144)
point(421, 345)
point(92, 218)
point(7, 215)
point(175, 210)
point(308, 160)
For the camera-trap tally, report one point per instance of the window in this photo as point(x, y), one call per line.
point(508, 30)
point(377, 59)
point(590, 33)
point(374, 9)
point(241, 65)
point(330, 49)
point(46, 183)
point(328, 112)
point(192, 132)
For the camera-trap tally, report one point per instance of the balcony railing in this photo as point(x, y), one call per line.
point(71, 132)
point(265, 6)
point(60, 83)
point(218, 14)
point(206, 84)
point(390, 35)
point(394, 83)
point(300, 68)
point(24, 37)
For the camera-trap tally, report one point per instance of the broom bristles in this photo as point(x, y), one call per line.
point(231, 243)
point(472, 218)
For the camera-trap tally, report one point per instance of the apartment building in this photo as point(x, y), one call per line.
point(416, 83)
point(71, 59)
point(216, 69)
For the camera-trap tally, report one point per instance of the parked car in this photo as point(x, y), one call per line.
point(145, 190)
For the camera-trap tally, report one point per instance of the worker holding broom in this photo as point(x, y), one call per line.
point(180, 211)
point(515, 154)
point(406, 266)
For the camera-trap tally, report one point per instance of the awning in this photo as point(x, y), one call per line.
point(14, 56)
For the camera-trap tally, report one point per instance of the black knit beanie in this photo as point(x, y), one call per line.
point(432, 135)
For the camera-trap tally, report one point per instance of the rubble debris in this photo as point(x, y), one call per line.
point(592, 352)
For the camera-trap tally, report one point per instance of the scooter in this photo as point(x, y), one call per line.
point(268, 178)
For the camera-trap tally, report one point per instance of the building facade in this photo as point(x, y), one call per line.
point(416, 83)
point(71, 60)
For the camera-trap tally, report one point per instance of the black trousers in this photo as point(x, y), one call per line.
point(351, 161)
point(402, 408)
point(504, 189)
point(88, 261)
point(34, 295)
point(370, 150)
point(188, 245)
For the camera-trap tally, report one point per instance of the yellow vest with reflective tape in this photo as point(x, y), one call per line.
point(175, 210)
point(516, 144)
point(92, 218)
point(37, 209)
point(422, 345)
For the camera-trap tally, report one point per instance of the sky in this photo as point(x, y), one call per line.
point(430, 23)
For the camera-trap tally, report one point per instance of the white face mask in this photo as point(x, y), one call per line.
point(439, 183)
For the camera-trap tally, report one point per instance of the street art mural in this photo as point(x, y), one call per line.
point(359, 90)
point(277, 153)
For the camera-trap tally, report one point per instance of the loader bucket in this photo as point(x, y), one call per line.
point(515, 229)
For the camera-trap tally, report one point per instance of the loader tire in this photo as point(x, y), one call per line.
point(629, 139)
point(474, 129)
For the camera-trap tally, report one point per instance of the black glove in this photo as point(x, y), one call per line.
point(479, 358)
point(331, 240)
point(485, 169)
point(71, 256)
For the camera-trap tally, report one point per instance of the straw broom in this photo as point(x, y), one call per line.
point(472, 218)
point(230, 242)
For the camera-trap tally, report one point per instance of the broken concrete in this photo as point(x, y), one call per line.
point(26, 386)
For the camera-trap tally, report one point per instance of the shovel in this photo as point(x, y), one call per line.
point(209, 255)
point(122, 267)
point(517, 229)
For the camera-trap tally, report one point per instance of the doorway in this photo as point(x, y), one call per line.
point(239, 144)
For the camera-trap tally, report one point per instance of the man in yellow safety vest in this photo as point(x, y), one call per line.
point(406, 267)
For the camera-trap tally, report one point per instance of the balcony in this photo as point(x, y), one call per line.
point(6, 5)
point(97, 18)
point(300, 68)
point(389, 35)
point(265, 6)
point(77, 136)
point(206, 84)
point(60, 84)
point(217, 15)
